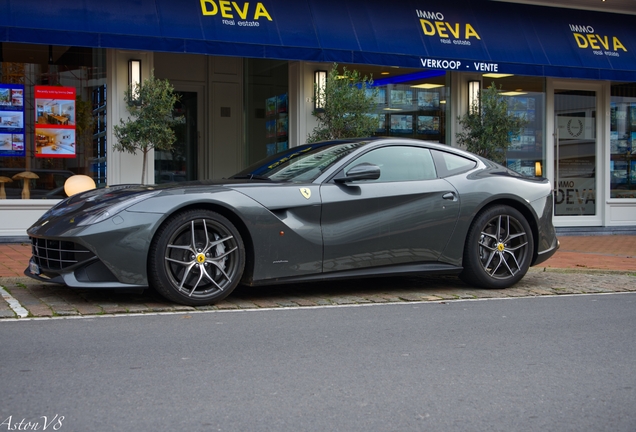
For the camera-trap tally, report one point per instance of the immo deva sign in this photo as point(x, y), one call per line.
point(462, 35)
point(576, 171)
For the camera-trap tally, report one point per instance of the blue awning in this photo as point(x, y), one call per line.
point(463, 35)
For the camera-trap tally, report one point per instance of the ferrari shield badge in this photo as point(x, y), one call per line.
point(306, 192)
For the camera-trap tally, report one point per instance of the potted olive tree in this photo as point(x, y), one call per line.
point(347, 101)
point(151, 121)
point(488, 127)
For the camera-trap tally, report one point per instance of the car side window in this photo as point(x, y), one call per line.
point(449, 164)
point(399, 163)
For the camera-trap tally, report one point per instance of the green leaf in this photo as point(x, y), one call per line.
point(488, 129)
point(151, 123)
point(347, 104)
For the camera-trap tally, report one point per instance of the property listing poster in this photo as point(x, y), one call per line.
point(276, 124)
point(12, 120)
point(55, 122)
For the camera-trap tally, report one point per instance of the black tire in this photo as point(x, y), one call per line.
point(498, 249)
point(197, 258)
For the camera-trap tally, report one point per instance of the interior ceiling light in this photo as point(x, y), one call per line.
point(385, 73)
point(427, 86)
point(513, 93)
point(496, 75)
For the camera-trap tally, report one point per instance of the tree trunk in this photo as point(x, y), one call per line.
point(143, 167)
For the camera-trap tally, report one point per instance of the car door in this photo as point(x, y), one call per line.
point(405, 216)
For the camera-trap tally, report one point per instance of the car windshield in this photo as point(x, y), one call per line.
point(300, 164)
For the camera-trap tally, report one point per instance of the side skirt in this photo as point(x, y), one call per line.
point(404, 270)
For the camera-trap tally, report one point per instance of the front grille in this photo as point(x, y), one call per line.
point(58, 255)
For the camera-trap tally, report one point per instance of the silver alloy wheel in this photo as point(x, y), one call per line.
point(503, 247)
point(202, 258)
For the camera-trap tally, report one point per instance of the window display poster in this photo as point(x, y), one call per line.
point(270, 127)
point(12, 120)
point(282, 125)
point(428, 124)
point(427, 100)
point(281, 103)
point(380, 95)
point(401, 97)
point(618, 170)
point(281, 146)
point(401, 123)
point(381, 121)
point(55, 122)
point(526, 167)
point(270, 106)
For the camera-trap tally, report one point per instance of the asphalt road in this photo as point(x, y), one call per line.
point(528, 364)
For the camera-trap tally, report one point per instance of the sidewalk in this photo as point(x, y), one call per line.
point(599, 252)
point(583, 265)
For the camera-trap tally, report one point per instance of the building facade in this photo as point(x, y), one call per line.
point(245, 73)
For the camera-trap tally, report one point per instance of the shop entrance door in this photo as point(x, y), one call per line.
point(576, 178)
point(181, 163)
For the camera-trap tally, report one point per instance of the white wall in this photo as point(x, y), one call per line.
point(124, 167)
point(301, 90)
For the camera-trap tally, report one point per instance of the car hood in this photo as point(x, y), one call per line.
point(83, 205)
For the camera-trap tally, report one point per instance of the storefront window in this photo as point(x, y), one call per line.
point(52, 118)
point(410, 102)
point(266, 108)
point(623, 141)
point(526, 99)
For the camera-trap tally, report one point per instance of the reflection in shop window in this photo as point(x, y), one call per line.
point(623, 141)
point(413, 106)
point(526, 99)
point(52, 119)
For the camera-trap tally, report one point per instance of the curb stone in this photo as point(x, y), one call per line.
point(49, 300)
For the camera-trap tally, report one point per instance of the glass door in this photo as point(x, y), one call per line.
point(575, 154)
point(180, 163)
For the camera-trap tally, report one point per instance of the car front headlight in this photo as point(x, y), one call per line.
point(100, 214)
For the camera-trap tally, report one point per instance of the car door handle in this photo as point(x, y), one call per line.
point(450, 196)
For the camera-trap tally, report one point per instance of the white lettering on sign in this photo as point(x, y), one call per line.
point(486, 67)
point(441, 64)
point(581, 28)
point(430, 15)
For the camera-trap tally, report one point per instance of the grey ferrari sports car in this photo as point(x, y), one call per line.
point(338, 209)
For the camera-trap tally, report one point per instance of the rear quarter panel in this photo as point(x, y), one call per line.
point(480, 189)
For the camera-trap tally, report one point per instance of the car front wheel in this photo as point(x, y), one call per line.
point(498, 248)
point(197, 258)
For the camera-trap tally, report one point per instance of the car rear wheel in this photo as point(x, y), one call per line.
point(498, 248)
point(197, 258)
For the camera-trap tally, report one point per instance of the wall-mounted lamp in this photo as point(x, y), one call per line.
point(538, 169)
point(473, 96)
point(134, 76)
point(320, 82)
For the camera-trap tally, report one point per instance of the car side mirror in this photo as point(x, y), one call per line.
point(363, 171)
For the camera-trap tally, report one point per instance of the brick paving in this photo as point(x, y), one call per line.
point(590, 264)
